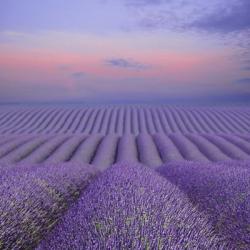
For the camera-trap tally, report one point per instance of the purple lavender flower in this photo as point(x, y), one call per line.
point(222, 191)
point(132, 207)
point(34, 197)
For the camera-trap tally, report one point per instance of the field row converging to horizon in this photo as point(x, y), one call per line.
point(123, 120)
point(103, 151)
point(127, 177)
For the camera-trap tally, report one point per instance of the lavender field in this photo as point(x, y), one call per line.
point(124, 177)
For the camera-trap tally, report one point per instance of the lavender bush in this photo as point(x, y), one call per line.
point(86, 150)
point(11, 145)
point(188, 149)
point(34, 197)
point(228, 148)
point(167, 149)
point(212, 152)
point(45, 150)
point(131, 207)
point(66, 150)
point(222, 191)
point(241, 143)
point(147, 151)
point(127, 149)
point(106, 152)
point(22, 152)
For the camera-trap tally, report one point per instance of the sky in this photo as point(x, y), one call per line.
point(125, 51)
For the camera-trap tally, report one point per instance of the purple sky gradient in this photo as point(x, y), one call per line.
point(125, 51)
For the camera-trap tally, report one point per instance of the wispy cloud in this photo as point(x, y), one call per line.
point(215, 15)
point(246, 68)
point(222, 16)
point(126, 64)
point(230, 22)
point(246, 65)
point(140, 3)
point(64, 67)
point(243, 81)
point(78, 75)
point(228, 19)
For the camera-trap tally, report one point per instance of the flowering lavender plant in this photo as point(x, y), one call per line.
point(222, 191)
point(131, 207)
point(33, 198)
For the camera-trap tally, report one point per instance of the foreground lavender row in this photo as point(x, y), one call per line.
point(131, 207)
point(124, 120)
point(103, 151)
point(34, 197)
point(128, 206)
point(222, 191)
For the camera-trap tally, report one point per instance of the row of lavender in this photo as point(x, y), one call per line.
point(178, 205)
point(34, 197)
point(151, 150)
point(187, 206)
point(123, 120)
point(128, 206)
